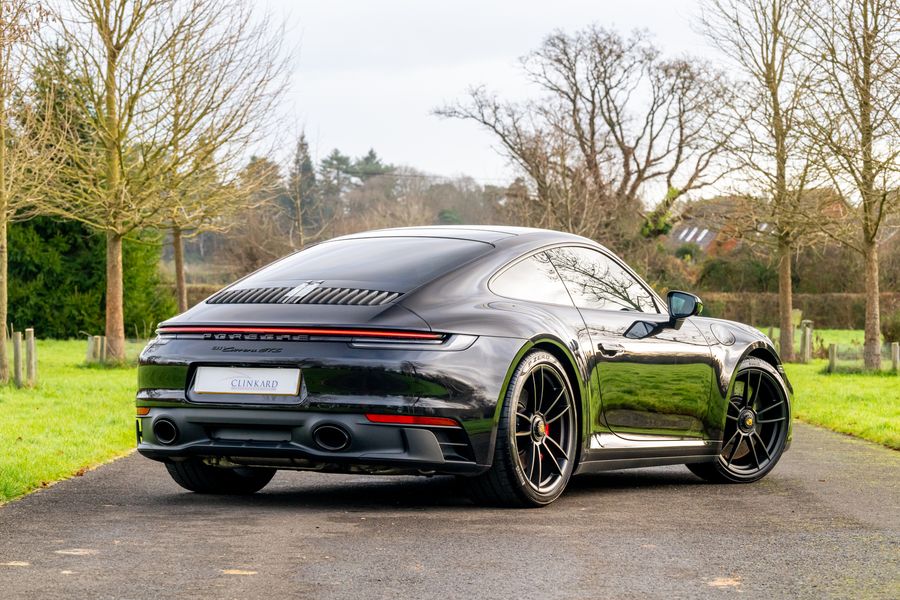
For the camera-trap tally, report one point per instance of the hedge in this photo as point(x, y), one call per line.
point(828, 311)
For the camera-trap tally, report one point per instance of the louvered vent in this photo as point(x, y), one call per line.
point(271, 295)
point(315, 295)
point(329, 295)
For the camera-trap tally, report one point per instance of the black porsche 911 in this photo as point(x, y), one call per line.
point(511, 357)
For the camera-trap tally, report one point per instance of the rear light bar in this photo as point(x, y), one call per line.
point(320, 331)
point(412, 420)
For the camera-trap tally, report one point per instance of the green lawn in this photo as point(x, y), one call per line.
point(864, 405)
point(75, 418)
point(841, 337)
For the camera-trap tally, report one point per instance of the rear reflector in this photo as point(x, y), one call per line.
point(412, 420)
point(323, 331)
point(143, 411)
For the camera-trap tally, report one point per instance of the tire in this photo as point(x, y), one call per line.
point(194, 475)
point(751, 449)
point(511, 480)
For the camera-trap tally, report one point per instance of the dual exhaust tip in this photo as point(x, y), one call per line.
point(165, 431)
point(327, 437)
point(331, 438)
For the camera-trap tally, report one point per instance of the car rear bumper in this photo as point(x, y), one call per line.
point(342, 383)
point(291, 440)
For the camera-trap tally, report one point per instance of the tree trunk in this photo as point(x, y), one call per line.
point(180, 285)
point(4, 220)
point(115, 318)
point(872, 347)
point(785, 302)
point(4, 272)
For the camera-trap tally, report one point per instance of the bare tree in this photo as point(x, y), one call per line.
point(24, 159)
point(620, 135)
point(261, 231)
point(118, 49)
point(761, 37)
point(167, 87)
point(226, 75)
point(855, 121)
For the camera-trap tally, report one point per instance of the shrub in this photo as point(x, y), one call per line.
point(890, 326)
point(57, 280)
point(689, 252)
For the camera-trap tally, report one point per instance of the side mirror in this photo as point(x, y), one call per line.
point(683, 305)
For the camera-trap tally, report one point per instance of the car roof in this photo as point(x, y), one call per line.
point(490, 234)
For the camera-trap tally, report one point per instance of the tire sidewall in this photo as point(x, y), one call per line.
point(756, 363)
point(507, 429)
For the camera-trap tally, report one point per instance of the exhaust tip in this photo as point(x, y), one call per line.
point(165, 431)
point(331, 438)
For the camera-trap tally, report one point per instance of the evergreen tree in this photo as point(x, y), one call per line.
point(304, 207)
point(369, 166)
point(334, 181)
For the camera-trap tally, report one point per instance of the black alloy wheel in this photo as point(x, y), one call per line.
point(536, 438)
point(757, 422)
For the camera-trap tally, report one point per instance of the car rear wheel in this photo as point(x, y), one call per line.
point(756, 426)
point(536, 438)
point(196, 476)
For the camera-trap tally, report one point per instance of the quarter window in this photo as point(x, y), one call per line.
point(598, 282)
point(533, 279)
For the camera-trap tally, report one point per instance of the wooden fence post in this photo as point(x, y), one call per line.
point(805, 341)
point(89, 356)
point(103, 349)
point(30, 358)
point(832, 357)
point(17, 359)
point(809, 341)
point(895, 356)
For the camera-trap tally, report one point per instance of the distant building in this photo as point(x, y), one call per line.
point(719, 225)
point(706, 224)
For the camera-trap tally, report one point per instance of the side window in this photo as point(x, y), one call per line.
point(533, 279)
point(596, 281)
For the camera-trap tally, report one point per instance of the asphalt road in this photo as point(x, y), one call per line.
point(825, 523)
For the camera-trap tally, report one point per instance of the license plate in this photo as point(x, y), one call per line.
point(255, 381)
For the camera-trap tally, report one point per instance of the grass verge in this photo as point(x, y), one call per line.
point(866, 405)
point(74, 419)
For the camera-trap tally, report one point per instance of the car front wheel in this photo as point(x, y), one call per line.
point(756, 426)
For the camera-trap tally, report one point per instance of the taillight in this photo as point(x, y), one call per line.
point(370, 334)
point(412, 420)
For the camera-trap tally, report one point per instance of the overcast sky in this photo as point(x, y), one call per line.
point(369, 73)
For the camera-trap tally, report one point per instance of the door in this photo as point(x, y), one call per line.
point(656, 386)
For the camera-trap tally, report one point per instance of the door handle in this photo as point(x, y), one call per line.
point(610, 349)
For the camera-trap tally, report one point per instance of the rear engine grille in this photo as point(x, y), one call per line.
point(326, 295)
point(252, 296)
point(311, 295)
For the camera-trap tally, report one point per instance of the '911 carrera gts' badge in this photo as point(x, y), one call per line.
point(300, 291)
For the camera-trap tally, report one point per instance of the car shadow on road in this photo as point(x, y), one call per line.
point(366, 492)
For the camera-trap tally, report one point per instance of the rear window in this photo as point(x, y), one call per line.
point(389, 263)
